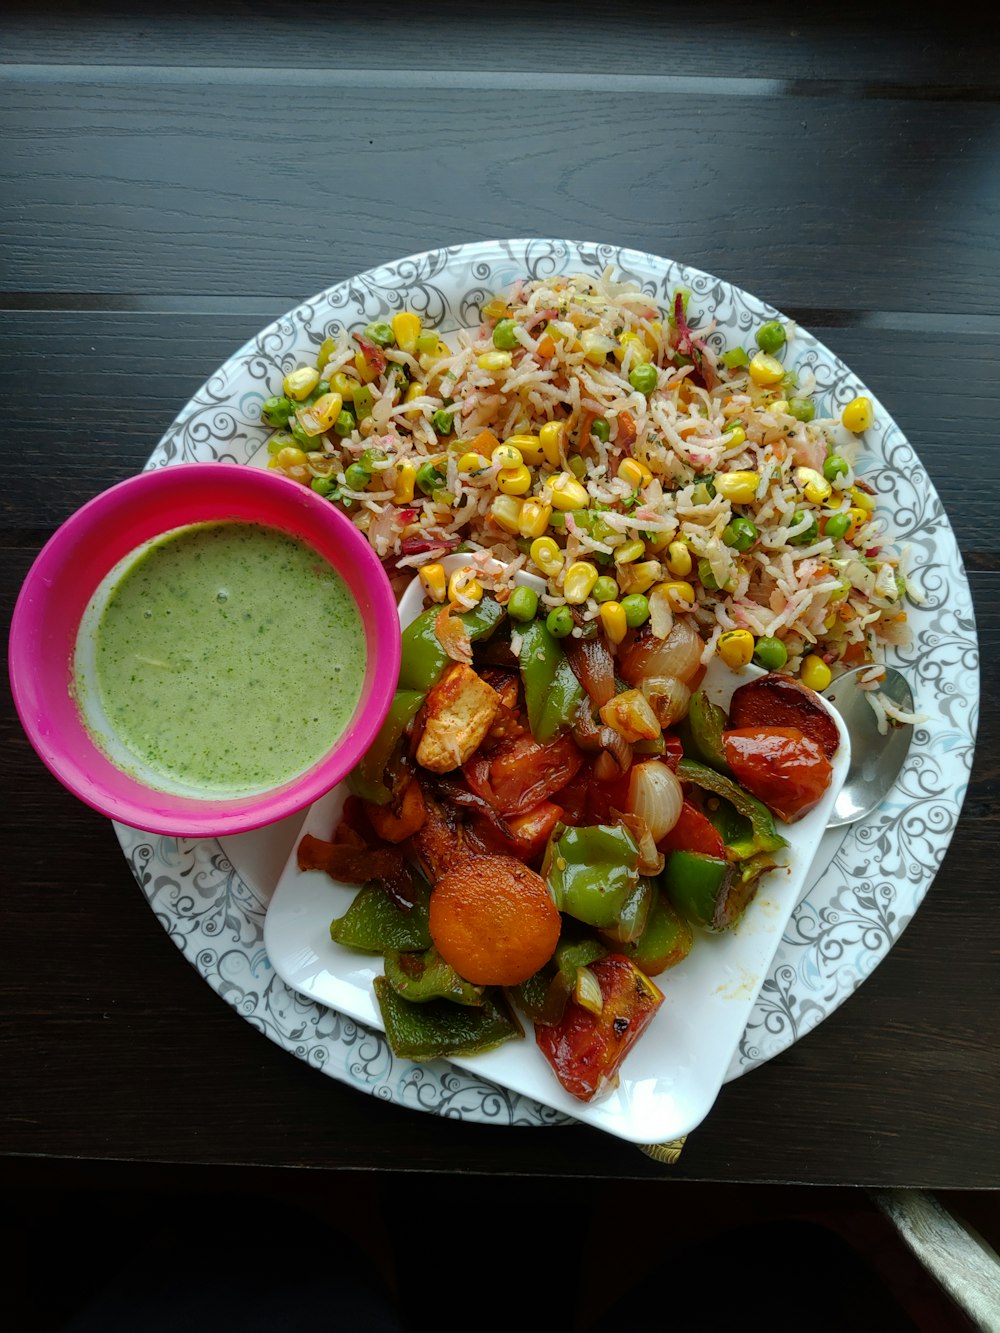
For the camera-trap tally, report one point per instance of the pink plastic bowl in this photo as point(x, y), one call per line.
point(72, 565)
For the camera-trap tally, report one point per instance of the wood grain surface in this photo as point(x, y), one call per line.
point(171, 182)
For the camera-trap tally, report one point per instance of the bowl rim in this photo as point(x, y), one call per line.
point(90, 543)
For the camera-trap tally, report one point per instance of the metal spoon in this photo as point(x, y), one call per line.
point(875, 759)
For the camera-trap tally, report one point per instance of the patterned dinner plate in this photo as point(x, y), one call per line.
point(866, 881)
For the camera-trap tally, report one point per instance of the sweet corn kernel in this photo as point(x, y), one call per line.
point(321, 415)
point(815, 673)
point(567, 493)
point(299, 384)
point(814, 485)
point(614, 622)
point(551, 440)
point(779, 405)
point(579, 581)
point(629, 551)
point(596, 346)
point(434, 582)
point(635, 473)
point(736, 648)
point(472, 462)
point(367, 370)
point(527, 446)
point(406, 328)
point(627, 340)
point(514, 480)
point(738, 488)
point(506, 511)
point(640, 576)
point(413, 390)
point(858, 415)
point(507, 455)
point(287, 458)
point(862, 500)
point(406, 480)
point(535, 515)
point(547, 556)
point(735, 437)
point(464, 587)
point(343, 384)
point(651, 336)
point(679, 594)
point(766, 370)
point(494, 361)
point(656, 541)
point(679, 559)
point(858, 519)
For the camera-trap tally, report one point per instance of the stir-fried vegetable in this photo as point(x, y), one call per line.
point(543, 825)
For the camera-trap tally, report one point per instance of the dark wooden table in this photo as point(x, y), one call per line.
point(175, 177)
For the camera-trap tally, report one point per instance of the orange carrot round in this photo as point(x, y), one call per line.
point(493, 920)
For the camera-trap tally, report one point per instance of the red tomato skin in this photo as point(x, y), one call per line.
point(693, 832)
point(520, 773)
point(781, 766)
point(586, 1050)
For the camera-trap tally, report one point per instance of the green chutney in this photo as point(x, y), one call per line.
point(229, 658)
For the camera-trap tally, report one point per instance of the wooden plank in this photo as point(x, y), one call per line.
point(269, 184)
point(776, 41)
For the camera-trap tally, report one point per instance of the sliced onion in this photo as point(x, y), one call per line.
point(587, 991)
point(668, 697)
point(661, 615)
point(593, 666)
point(679, 654)
point(651, 859)
point(631, 716)
point(655, 795)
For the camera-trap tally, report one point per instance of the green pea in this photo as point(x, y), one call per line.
point(636, 608)
point(605, 589)
point(321, 388)
point(345, 422)
point(771, 337)
point(281, 439)
point(429, 479)
point(356, 478)
point(835, 467)
point(810, 534)
point(734, 357)
point(324, 486)
point(559, 622)
point(505, 335)
point(643, 378)
point(381, 334)
point(740, 534)
point(802, 409)
point(300, 435)
point(276, 411)
point(837, 526)
point(600, 429)
point(523, 604)
point(443, 421)
point(770, 653)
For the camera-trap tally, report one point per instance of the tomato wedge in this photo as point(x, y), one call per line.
point(693, 832)
point(520, 773)
point(781, 766)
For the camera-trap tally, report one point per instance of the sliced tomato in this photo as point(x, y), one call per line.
point(674, 751)
point(693, 832)
point(521, 773)
point(586, 1050)
point(604, 798)
point(531, 830)
point(781, 766)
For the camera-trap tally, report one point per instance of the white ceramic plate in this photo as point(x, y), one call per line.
point(867, 880)
point(671, 1078)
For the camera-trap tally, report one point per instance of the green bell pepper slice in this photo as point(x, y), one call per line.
point(666, 940)
point(423, 659)
point(442, 1030)
point(543, 997)
point(552, 693)
point(424, 976)
point(592, 872)
point(709, 891)
point(766, 837)
point(372, 777)
point(374, 924)
point(701, 731)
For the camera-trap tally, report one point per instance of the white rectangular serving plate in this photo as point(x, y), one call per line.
point(672, 1076)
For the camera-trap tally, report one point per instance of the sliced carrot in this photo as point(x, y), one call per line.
point(396, 822)
point(494, 920)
